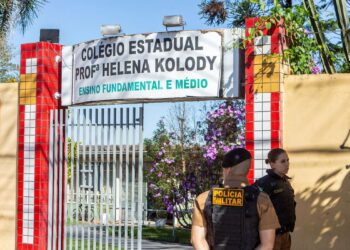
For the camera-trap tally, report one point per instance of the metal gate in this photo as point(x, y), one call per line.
point(97, 201)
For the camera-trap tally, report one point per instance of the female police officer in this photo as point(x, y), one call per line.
point(276, 185)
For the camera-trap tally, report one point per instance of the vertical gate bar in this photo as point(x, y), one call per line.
point(126, 219)
point(55, 181)
point(120, 193)
point(83, 179)
point(95, 177)
point(140, 180)
point(77, 180)
point(133, 178)
point(60, 176)
point(65, 182)
point(107, 174)
point(51, 159)
point(72, 164)
point(101, 174)
point(114, 174)
point(89, 183)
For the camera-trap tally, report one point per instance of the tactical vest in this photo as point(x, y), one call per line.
point(233, 227)
point(282, 196)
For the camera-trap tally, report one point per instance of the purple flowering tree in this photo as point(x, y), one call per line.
point(163, 177)
point(225, 131)
point(173, 188)
point(166, 170)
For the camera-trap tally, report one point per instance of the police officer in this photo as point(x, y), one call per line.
point(276, 184)
point(236, 216)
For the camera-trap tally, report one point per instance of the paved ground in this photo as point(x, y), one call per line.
point(146, 244)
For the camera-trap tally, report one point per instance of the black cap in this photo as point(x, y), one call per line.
point(235, 156)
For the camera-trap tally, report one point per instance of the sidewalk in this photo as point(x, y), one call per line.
point(146, 244)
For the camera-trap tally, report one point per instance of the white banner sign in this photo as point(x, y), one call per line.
point(148, 66)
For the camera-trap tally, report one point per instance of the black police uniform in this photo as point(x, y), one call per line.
point(233, 227)
point(282, 196)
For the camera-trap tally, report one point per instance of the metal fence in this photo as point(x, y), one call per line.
point(103, 177)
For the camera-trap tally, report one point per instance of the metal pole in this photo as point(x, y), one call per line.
point(114, 174)
point(77, 179)
point(101, 175)
point(89, 200)
point(120, 192)
point(51, 167)
point(107, 175)
point(60, 176)
point(140, 181)
point(65, 182)
point(72, 180)
point(55, 182)
point(83, 179)
point(126, 218)
point(133, 178)
point(95, 178)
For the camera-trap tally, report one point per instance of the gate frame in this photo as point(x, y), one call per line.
point(128, 126)
point(39, 88)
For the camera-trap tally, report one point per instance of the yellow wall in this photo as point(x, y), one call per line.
point(8, 149)
point(316, 122)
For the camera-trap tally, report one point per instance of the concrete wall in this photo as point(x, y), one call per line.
point(8, 148)
point(316, 123)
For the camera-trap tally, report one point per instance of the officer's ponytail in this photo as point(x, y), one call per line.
point(273, 155)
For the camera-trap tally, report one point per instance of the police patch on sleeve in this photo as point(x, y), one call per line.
point(228, 197)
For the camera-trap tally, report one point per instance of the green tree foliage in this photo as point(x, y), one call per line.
point(235, 12)
point(153, 145)
point(303, 48)
point(179, 170)
point(326, 56)
point(334, 19)
point(8, 70)
point(15, 13)
point(314, 39)
point(71, 159)
point(172, 153)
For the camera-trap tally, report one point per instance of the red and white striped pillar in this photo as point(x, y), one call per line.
point(40, 79)
point(265, 72)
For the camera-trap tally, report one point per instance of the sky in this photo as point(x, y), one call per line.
point(80, 21)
